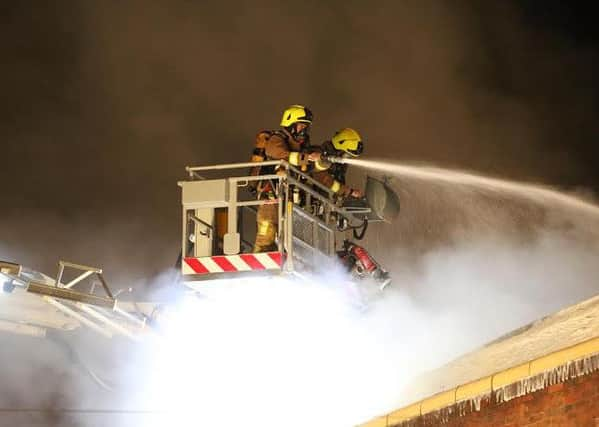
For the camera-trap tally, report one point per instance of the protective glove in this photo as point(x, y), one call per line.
point(356, 194)
point(314, 156)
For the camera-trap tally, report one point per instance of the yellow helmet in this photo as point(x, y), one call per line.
point(295, 114)
point(349, 141)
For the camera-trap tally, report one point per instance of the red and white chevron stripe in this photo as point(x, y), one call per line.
point(232, 263)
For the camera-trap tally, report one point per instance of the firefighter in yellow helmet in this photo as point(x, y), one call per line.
point(345, 143)
point(290, 143)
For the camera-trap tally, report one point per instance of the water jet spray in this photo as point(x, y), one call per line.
point(429, 173)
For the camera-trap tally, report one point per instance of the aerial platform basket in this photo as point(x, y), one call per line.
point(219, 220)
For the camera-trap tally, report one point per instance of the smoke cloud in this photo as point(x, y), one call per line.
point(105, 103)
point(306, 351)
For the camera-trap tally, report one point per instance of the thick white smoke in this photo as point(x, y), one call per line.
point(263, 352)
point(317, 352)
point(267, 350)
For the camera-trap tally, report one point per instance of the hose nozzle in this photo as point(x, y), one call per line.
point(335, 159)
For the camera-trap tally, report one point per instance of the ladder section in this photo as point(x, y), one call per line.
point(84, 297)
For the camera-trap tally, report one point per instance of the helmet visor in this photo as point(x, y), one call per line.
point(307, 117)
point(358, 151)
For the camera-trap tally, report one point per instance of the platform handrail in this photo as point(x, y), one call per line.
point(192, 171)
point(282, 163)
point(293, 176)
point(287, 180)
point(310, 179)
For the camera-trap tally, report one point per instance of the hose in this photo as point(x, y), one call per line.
point(77, 360)
point(359, 235)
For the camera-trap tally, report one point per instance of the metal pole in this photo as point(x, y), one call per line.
point(69, 294)
point(289, 237)
point(281, 220)
point(184, 237)
point(232, 166)
point(114, 325)
point(141, 323)
point(80, 267)
point(59, 275)
point(232, 218)
point(105, 286)
point(77, 316)
point(78, 279)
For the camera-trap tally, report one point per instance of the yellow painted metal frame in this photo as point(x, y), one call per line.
point(488, 384)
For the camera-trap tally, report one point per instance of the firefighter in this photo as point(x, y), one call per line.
point(291, 143)
point(345, 143)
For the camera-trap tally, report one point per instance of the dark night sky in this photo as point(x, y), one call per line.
point(103, 103)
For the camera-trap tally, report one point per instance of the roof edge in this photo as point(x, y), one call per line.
point(581, 358)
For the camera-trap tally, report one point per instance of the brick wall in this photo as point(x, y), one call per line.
point(574, 403)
